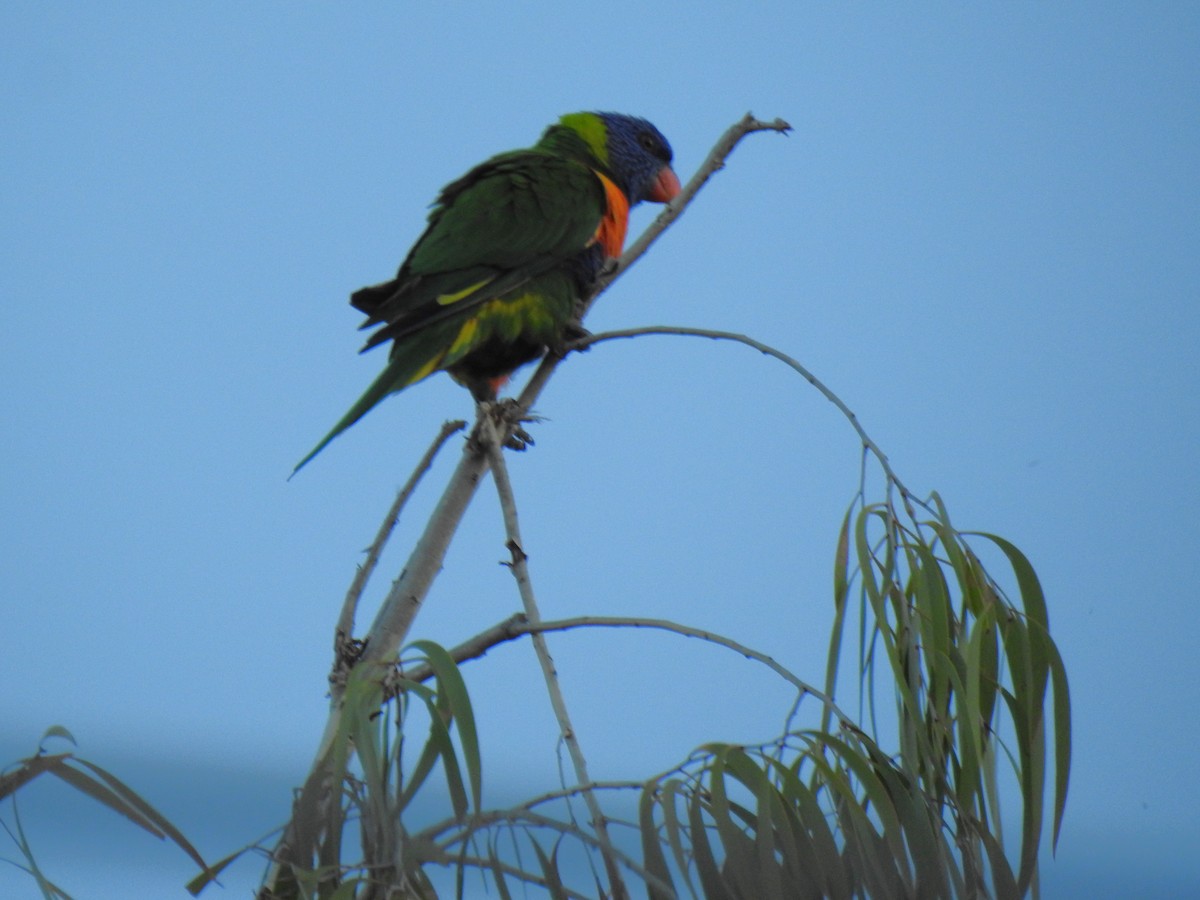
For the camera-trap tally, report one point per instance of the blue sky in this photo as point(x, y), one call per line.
point(982, 235)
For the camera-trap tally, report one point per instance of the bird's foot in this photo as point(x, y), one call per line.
point(519, 440)
point(507, 416)
point(572, 332)
point(347, 652)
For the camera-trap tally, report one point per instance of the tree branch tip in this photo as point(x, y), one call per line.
point(776, 124)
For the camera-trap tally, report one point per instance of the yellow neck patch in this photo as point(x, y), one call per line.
point(591, 128)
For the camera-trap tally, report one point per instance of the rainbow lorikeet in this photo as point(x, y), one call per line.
point(510, 249)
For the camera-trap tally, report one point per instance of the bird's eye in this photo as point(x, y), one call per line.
point(647, 141)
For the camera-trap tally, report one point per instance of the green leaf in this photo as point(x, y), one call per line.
point(745, 770)
point(498, 876)
point(1062, 741)
point(711, 882)
point(212, 871)
point(430, 752)
point(841, 596)
point(550, 871)
point(453, 689)
point(826, 863)
point(674, 790)
point(653, 858)
point(148, 812)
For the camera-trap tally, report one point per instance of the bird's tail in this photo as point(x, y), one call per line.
point(399, 373)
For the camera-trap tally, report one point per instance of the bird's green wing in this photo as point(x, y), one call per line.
point(504, 223)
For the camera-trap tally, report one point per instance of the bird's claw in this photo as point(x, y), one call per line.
point(572, 332)
point(347, 652)
point(507, 415)
point(519, 440)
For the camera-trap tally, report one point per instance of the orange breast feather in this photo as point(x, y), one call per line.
point(611, 233)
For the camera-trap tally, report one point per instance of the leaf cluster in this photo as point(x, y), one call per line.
point(90, 780)
point(902, 800)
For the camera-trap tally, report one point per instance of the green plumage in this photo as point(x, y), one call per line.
point(496, 275)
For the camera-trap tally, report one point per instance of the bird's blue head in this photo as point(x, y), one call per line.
point(632, 150)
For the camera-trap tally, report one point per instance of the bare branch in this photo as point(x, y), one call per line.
point(526, 817)
point(868, 444)
point(520, 570)
point(518, 626)
point(713, 163)
point(345, 626)
point(518, 873)
point(403, 600)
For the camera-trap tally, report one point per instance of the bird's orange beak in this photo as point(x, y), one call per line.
point(665, 187)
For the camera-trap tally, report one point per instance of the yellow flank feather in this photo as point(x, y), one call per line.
point(505, 317)
point(466, 337)
point(426, 370)
point(447, 299)
point(514, 315)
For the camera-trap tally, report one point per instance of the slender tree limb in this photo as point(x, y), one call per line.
point(343, 637)
point(472, 648)
point(444, 836)
point(433, 832)
point(520, 570)
point(528, 819)
point(527, 812)
point(403, 600)
point(713, 163)
point(868, 444)
point(518, 626)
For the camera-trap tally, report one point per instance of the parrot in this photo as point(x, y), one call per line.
point(509, 250)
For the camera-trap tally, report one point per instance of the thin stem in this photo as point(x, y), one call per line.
point(345, 626)
point(518, 626)
point(403, 601)
point(768, 350)
point(493, 864)
point(526, 818)
point(520, 570)
point(713, 163)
